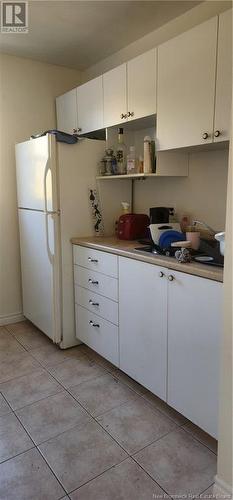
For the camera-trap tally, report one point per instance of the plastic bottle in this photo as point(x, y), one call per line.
point(147, 164)
point(131, 161)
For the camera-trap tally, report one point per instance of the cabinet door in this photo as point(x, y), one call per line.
point(224, 78)
point(141, 74)
point(194, 330)
point(67, 120)
point(143, 324)
point(186, 87)
point(115, 96)
point(90, 105)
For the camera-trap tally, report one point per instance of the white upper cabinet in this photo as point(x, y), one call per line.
point(115, 96)
point(186, 87)
point(224, 78)
point(90, 105)
point(141, 76)
point(66, 105)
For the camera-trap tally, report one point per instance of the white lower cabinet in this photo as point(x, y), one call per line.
point(98, 334)
point(194, 329)
point(167, 335)
point(143, 323)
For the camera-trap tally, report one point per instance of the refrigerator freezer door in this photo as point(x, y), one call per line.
point(36, 174)
point(40, 271)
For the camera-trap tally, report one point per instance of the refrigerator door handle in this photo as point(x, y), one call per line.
point(47, 213)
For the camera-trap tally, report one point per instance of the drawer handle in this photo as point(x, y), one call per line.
point(92, 260)
point(93, 303)
point(93, 282)
point(96, 325)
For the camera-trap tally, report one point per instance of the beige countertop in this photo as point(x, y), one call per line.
point(127, 249)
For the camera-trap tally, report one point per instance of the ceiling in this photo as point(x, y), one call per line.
point(78, 34)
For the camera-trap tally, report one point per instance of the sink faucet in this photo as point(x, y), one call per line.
point(210, 229)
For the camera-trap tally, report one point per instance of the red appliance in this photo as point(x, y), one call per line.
point(133, 226)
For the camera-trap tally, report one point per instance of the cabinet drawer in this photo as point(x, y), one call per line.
point(102, 338)
point(96, 282)
point(102, 262)
point(97, 304)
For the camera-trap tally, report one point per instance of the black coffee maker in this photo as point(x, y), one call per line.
point(160, 215)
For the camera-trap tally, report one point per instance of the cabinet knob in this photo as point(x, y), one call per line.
point(93, 303)
point(161, 274)
point(75, 131)
point(90, 259)
point(93, 282)
point(79, 130)
point(96, 325)
point(123, 116)
point(205, 135)
point(170, 277)
point(130, 113)
point(217, 133)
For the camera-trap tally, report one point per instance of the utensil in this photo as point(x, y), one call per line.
point(221, 238)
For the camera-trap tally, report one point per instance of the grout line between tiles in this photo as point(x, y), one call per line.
point(17, 454)
point(198, 440)
point(67, 390)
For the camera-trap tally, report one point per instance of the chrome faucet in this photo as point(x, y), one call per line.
point(210, 229)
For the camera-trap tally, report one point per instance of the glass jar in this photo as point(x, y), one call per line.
point(109, 161)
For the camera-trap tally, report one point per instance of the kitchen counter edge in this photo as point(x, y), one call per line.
point(127, 249)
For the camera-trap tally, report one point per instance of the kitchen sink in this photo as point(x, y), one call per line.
point(206, 250)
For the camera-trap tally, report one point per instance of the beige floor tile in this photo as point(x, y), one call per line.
point(27, 477)
point(125, 379)
point(21, 327)
point(75, 371)
point(164, 408)
point(51, 416)
point(8, 346)
point(79, 455)
point(101, 394)
point(17, 365)
point(13, 438)
point(4, 407)
point(180, 464)
point(126, 481)
point(202, 436)
point(99, 359)
point(29, 388)
point(32, 339)
point(51, 355)
point(135, 424)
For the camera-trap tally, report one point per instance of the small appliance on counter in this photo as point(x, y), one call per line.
point(133, 226)
point(159, 215)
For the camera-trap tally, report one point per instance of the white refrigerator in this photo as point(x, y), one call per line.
point(52, 189)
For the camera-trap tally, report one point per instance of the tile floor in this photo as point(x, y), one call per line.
point(73, 426)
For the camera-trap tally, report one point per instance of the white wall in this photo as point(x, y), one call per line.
point(201, 195)
point(27, 92)
point(178, 25)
